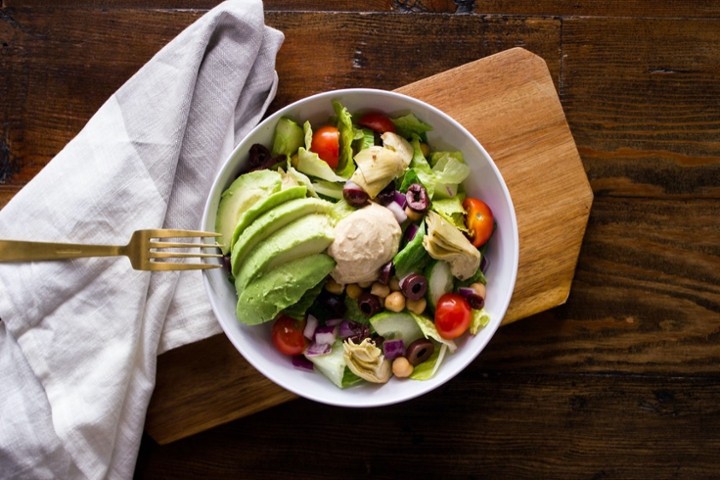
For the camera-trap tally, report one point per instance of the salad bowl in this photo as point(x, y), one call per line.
point(253, 342)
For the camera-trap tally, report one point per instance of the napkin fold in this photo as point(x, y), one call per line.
point(79, 339)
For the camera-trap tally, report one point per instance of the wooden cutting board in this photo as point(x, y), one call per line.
point(509, 103)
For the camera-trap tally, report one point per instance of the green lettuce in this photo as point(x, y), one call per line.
point(346, 166)
point(480, 319)
point(427, 369)
point(409, 125)
point(428, 328)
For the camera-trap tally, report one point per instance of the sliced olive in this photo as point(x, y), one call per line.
point(369, 304)
point(419, 351)
point(414, 286)
point(417, 197)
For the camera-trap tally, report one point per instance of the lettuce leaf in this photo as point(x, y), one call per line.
point(480, 319)
point(346, 166)
point(451, 209)
point(428, 328)
point(427, 369)
point(409, 125)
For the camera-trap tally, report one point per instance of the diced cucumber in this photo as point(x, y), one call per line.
point(391, 325)
point(440, 281)
point(333, 366)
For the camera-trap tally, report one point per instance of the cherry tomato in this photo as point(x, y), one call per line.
point(287, 335)
point(377, 121)
point(479, 221)
point(452, 315)
point(326, 143)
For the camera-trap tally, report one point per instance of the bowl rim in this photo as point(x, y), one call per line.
point(429, 385)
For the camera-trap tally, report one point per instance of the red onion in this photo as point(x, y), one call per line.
point(398, 211)
point(301, 362)
point(411, 231)
point(353, 330)
point(325, 335)
point(476, 301)
point(400, 198)
point(310, 326)
point(333, 322)
point(316, 349)
point(393, 348)
point(386, 273)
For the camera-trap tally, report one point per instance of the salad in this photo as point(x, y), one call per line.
point(356, 240)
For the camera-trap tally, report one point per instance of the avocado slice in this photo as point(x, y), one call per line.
point(241, 195)
point(271, 222)
point(263, 206)
point(308, 235)
point(281, 287)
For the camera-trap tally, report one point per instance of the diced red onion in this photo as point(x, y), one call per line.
point(354, 330)
point(325, 334)
point(411, 231)
point(398, 211)
point(393, 348)
point(400, 198)
point(310, 326)
point(386, 273)
point(476, 301)
point(333, 322)
point(301, 362)
point(484, 263)
point(316, 349)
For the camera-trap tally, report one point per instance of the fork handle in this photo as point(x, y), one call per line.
point(19, 250)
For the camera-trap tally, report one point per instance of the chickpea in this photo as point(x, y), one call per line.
point(380, 290)
point(395, 302)
point(479, 289)
point(365, 284)
point(416, 306)
point(353, 291)
point(401, 368)
point(394, 284)
point(333, 287)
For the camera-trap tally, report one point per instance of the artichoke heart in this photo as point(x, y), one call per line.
point(367, 361)
point(376, 168)
point(398, 144)
point(445, 242)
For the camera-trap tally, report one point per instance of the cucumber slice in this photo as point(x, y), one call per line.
point(333, 366)
point(391, 325)
point(440, 281)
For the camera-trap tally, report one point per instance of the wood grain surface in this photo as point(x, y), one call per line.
point(619, 382)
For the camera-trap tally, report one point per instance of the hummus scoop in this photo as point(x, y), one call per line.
point(364, 242)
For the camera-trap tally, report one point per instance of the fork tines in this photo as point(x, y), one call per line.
point(159, 248)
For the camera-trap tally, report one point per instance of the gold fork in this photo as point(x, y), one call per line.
point(146, 250)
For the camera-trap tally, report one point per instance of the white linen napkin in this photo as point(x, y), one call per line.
point(79, 339)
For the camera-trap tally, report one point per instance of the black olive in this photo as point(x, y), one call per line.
point(417, 197)
point(354, 195)
point(369, 304)
point(413, 286)
point(419, 351)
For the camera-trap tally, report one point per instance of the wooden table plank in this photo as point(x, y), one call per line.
point(484, 425)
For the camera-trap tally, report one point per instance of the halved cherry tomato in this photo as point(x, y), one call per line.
point(376, 121)
point(287, 335)
point(452, 315)
point(326, 143)
point(479, 221)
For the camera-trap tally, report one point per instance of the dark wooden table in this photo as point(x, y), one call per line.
point(623, 381)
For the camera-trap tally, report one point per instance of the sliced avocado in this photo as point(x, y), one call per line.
point(308, 235)
point(263, 299)
point(289, 136)
point(264, 205)
point(271, 222)
point(241, 195)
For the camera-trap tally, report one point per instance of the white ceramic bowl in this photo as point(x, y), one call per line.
point(253, 342)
